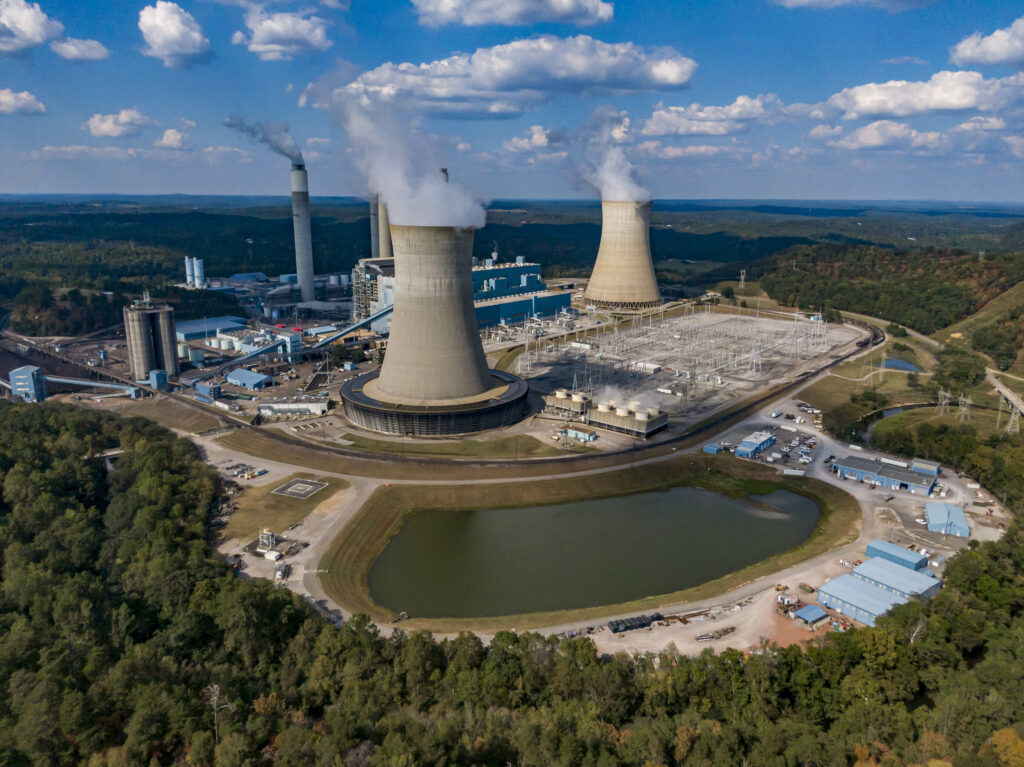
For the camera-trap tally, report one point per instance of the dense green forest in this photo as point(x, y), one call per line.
point(123, 642)
point(924, 289)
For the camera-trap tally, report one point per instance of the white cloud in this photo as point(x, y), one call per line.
point(127, 122)
point(172, 139)
point(900, 60)
point(187, 123)
point(318, 142)
point(464, 146)
point(1015, 145)
point(1004, 46)
point(172, 35)
point(23, 25)
point(507, 79)
point(661, 151)
point(12, 103)
point(73, 49)
point(889, 5)
point(76, 151)
point(280, 36)
point(698, 120)
point(944, 92)
point(535, 138)
point(825, 132)
point(886, 134)
point(981, 123)
point(472, 13)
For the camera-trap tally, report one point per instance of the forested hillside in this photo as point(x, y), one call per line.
point(925, 289)
point(122, 642)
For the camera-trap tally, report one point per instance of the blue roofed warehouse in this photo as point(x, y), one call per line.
point(947, 519)
point(857, 599)
point(901, 556)
point(901, 581)
point(247, 379)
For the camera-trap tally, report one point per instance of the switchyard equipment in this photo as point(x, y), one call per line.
point(434, 379)
point(623, 276)
point(149, 331)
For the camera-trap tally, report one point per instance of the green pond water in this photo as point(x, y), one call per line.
point(462, 564)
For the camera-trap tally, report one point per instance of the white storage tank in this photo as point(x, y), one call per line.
point(195, 355)
point(182, 351)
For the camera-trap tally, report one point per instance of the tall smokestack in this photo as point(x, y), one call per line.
point(384, 249)
point(623, 276)
point(434, 351)
point(303, 237)
point(374, 226)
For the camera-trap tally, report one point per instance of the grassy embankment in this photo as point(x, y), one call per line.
point(259, 508)
point(351, 556)
point(172, 414)
point(512, 447)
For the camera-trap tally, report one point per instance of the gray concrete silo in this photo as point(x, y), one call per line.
point(623, 276)
point(303, 236)
point(434, 352)
point(149, 332)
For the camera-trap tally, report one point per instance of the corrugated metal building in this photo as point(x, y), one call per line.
point(884, 475)
point(753, 444)
point(27, 383)
point(191, 330)
point(857, 599)
point(901, 581)
point(931, 468)
point(947, 519)
point(897, 554)
point(247, 379)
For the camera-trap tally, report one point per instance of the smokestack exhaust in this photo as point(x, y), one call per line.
point(303, 235)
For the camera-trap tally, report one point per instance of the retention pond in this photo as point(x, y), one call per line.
point(467, 564)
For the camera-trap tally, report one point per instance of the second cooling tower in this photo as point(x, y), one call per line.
point(623, 276)
point(303, 237)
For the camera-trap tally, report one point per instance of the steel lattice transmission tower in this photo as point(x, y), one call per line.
point(944, 398)
point(1013, 425)
point(963, 412)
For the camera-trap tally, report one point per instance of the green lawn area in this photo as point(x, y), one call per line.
point(172, 414)
point(982, 419)
point(259, 508)
point(351, 556)
point(513, 446)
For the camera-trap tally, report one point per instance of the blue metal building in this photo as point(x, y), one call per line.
point(27, 383)
point(947, 519)
point(904, 557)
point(901, 581)
point(247, 379)
point(931, 468)
point(713, 449)
point(857, 598)
point(754, 444)
point(158, 380)
point(519, 308)
point(884, 474)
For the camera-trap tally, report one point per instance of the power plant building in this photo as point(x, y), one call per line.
point(27, 383)
point(150, 333)
point(623, 276)
point(434, 379)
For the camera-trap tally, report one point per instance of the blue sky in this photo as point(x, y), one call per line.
point(833, 99)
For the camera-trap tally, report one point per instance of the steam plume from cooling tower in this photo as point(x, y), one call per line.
point(601, 160)
point(274, 134)
point(399, 160)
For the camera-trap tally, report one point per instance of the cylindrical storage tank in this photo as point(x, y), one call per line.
point(623, 411)
point(138, 332)
point(190, 271)
point(195, 355)
point(577, 397)
point(561, 393)
point(165, 341)
point(303, 238)
point(434, 351)
point(182, 351)
point(623, 276)
point(604, 407)
point(200, 272)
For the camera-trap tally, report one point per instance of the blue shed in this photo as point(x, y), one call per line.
point(247, 379)
point(947, 519)
point(904, 557)
point(811, 614)
point(158, 380)
point(713, 449)
point(901, 581)
point(857, 599)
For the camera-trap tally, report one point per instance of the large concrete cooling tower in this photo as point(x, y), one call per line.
point(434, 352)
point(623, 276)
point(434, 379)
point(303, 238)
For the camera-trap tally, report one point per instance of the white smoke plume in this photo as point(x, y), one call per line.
point(274, 134)
point(600, 158)
point(399, 160)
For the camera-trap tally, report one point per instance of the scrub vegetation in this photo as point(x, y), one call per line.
point(123, 641)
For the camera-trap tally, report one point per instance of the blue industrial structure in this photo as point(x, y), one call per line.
point(811, 614)
point(210, 391)
point(857, 599)
point(884, 474)
point(497, 280)
point(191, 330)
point(947, 519)
point(158, 380)
point(753, 445)
point(576, 432)
point(882, 549)
point(713, 449)
point(514, 309)
point(932, 468)
point(248, 379)
point(27, 383)
point(901, 581)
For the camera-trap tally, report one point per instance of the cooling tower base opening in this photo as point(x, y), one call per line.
point(507, 406)
point(625, 306)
